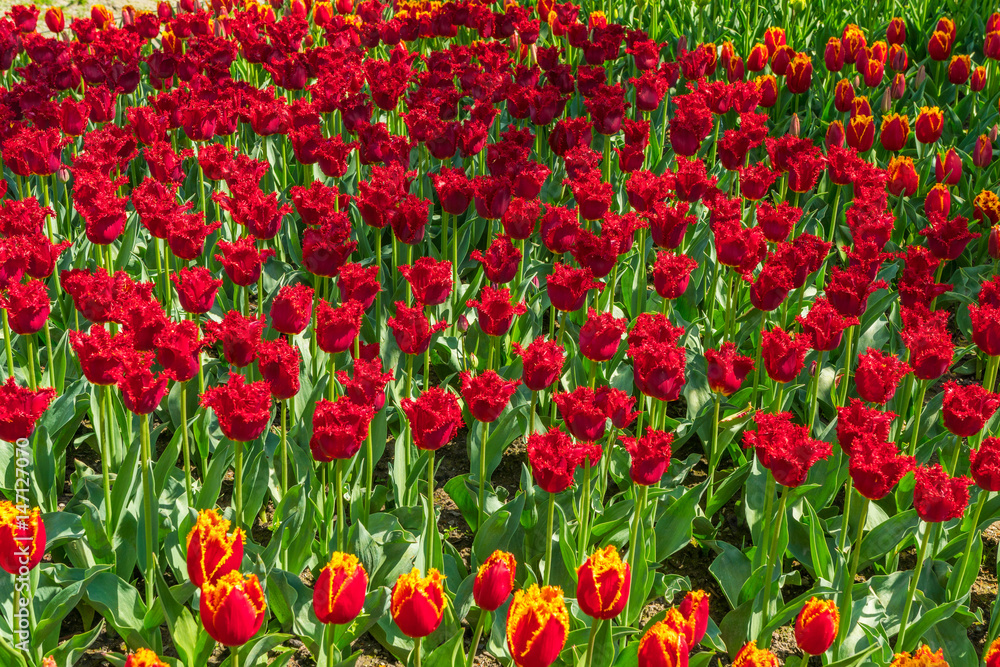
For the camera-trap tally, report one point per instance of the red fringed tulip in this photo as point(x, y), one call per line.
point(339, 429)
point(99, 353)
point(337, 328)
point(785, 448)
point(650, 455)
point(412, 330)
point(601, 335)
point(240, 336)
point(211, 552)
point(967, 408)
point(494, 581)
point(856, 419)
point(923, 656)
point(751, 656)
point(243, 409)
point(727, 369)
point(816, 626)
point(783, 355)
point(242, 261)
point(603, 583)
point(663, 646)
point(554, 458)
point(339, 595)
point(487, 394)
point(429, 280)
point(141, 390)
point(291, 309)
point(876, 466)
point(937, 496)
point(672, 273)
point(825, 325)
point(985, 464)
point(494, 311)
point(278, 363)
point(417, 603)
point(27, 305)
point(581, 414)
point(878, 374)
point(434, 417)
point(358, 283)
point(232, 608)
point(542, 363)
point(567, 287)
point(694, 609)
point(143, 657)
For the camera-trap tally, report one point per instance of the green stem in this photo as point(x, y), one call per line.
point(847, 600)
point(772, 556)
point(339, 490)
point(105, 462)
point(370, 470)
point(284, 447)
point(531, 413)
point(549, 539)
point(973, 529)
point(584, 510)
point(186, 447)
point(911, 591)
point(431, 527)
point(918, 407)
point(6, 343)
point(475, 637)
point(594, 626)
point(814, 399)
point(712, 455)
point(846, 379)
point(416, 653)
point(482, 475)
point(846, 519)
point(30, 344)
point(633, 543)
point(238, 484)
point(147, 487)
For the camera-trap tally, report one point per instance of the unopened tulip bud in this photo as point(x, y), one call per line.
point(796, 126)
point(898, 87)
point(886, 102)
point(921, 76)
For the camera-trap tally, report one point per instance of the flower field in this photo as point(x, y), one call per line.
point(457, 334)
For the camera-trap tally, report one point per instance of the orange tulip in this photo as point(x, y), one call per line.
point(694, 609)
point(418, 602)
point(816, 626)
point(537, 626)
point(986, 207)
point(603, 583)
point(211, 553)
point(751, 656)
point(232, 608)
point(663, 646)
point(922, 657)
point(22, 538)
point(55, 20)
point(144, 658)
point(992, 656)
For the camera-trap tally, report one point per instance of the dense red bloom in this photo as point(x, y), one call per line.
point(239, 336)
point(454, 190)
point(412, 330)
point(986, 328)
point(777, 222)
point(494, 311)
point(738, 247)
point(567, 287)
point(985, 464)
point(339, 428)
point(785, 448)
point(542, 362)
point(178, 349)
point(141, 390)
point(434, 417)
point(326, 248)
point(600, 335)
point(243, 409)
point(91, 292)
point(856, 419)
point(501, 260)
point(409, 219)
point(937, 496)
point(816, 626)
point(291, 309)
point(927, 338)
point(487, 394)
point(878, 374)
point(825, 325)
point(554, 458)
point(582, 415)
point(232, 609)
point(783, 355)
point(278, 362)
point(417, 603)
point(339, 595)
point(22, 407)
point(520, 218)
point(876, 466)
point(196, 289)
point(494, 581)
point(650, 455)
point(727, 368)
point(967, 408)
point(337, 328)
point(430, 280)
point(672, 273)
point(848, 290)
point(27, 305)
point(946, 238)
point(367, 385)
point(99, 353)
point(242, 261)
point(616, 405)
point(603, 583)
point(492, 196)
point(359, 283)
point(211, 552)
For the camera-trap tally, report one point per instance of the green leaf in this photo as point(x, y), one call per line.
point(673, 530)
point(448, 654)
point(119, 603)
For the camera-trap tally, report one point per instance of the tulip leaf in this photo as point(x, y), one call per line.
point(889, 535)
point(673, 530)
point(73, 648)
point(448, 654)
point(119, 603)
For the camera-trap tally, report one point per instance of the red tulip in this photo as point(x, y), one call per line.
point(816, 626)
point(603, 583)
point(876, 465)
point(417, 603)
point(178, 349)
point(495, 313)
point(242, 261)
point(537, 626)
point(878, 374)
point(196, 289)
point(278, 363)
point(948, 167)
point(99, 353)
point(784, 448)
point(434, 417)
point(501, 261)
point(240, 336)
point(412, 330)
point(967, 408)
point(663, 646)
point(337, 328)
point(727, 369)
point(650, 455)
point(937, 496)
point(141, 390)
point(487, 394)
point(985, 464)
point(27, 305)
point(783, 355)
point(291, 309)
point(581, 414)
point(542, 363)
point(358, 283)
point(22, 536)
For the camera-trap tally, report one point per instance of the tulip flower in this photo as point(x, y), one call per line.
point(537, 626)
point(291, 309)
point(663, 646)
point(922, 657)
point(816, 626)
point(242, 261)
point(22, 538)
point(143, 657)
point(727, 369)
point(672, 274)
point(358, 283)
point(430, 281)
point(22, 407)
point(100, 355)
point(494, 582)
point(211, 552)
point(694, 610)
point(417, 603)
point(232, 608)
point(495, 313)
point(27, 305)
point(240, 337)
point(752, 656)
point(603, 583)
point(567, 287)
point(412, 330)
point(338, 327)
point(967, 408)
point(339, 595)
point(878, 374)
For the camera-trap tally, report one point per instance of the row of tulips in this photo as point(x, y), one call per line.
point(233, 235)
